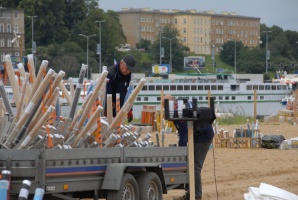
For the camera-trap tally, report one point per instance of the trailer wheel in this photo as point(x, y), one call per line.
point(149, 186)
point(128, 189)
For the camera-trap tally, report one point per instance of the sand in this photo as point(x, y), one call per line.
point(228, 174)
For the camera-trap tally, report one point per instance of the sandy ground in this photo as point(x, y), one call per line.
point(228, 174)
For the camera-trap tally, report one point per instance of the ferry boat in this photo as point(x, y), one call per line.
point(234, 96)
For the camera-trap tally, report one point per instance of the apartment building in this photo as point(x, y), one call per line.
point(11, 34)
point(200, 31)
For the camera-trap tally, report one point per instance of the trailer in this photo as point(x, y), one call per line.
point(111, 173)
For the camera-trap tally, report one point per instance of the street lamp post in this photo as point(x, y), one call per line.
point(87, 37)
point(170, 51)
point(160, 48)
point(99, 53)
point(213, 57)
point(32, 18)
point(235, 61)
point(267, 52)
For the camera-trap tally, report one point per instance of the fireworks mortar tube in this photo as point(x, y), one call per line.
point(41, 72)
point(89, 124)
point(78, 91)
point(38, 195)
point(125, 109)
point(32, 66)
point(24, 192)
point(91, 101)
point(109, 109)
point(13, 82)
point(37, 127)
point(65, 92)
point(23, 92)
point(6, 176)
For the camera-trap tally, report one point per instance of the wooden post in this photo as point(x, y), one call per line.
point(209, 95)
point(161, 110)
point(255, 105)
point(295, 106)
point(191, 165)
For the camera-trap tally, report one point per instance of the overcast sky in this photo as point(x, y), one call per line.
point(283, 13)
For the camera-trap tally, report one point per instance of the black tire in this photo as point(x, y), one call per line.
point(149, 186)
point(128, 189)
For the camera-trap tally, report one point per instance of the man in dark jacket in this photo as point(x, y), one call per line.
point(119, 77)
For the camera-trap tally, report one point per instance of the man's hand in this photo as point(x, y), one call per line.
point(129, 116)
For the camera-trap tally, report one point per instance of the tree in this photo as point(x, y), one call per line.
point(177, 48)
point(227, 54)
point(144, 44)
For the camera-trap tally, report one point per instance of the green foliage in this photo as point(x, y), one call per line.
point(233, 120)
point(169, 41)
point(59, 22)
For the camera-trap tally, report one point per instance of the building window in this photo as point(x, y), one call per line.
point(16, 15)
point(184, 39)
point(145, 98)
point(176, 21)
point(8, 15)
point(2, 42)
point(8, 42)
point(2, 57)
point(9, 28)
point(184, 30)
point(184, 21)
point(16, 28)
point(1, 28)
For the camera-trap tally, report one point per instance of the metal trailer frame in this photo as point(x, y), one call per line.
point(66, 173)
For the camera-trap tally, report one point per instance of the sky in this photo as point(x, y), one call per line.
point(282, 13)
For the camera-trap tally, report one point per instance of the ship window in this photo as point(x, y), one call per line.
point(233, 98)
point(261, 87)
point(273, 87)
point(227, 98)
point(151, 87)
point(201, 98)
point(213, 87)
point(279, 87)
point(249, 97)
point(179, 87)
point(200, 87)
point(165, 87)
point(144, 87)
point(284, 87)
point(145, 98)
point(138, 98)
point(220, 98)
point(233, 87)
point(172, 87)
point(267, 87)
point(220, 87)
point(255, 87)
point(261, 97)
point(193, 87)
point(248, 87)
point(186, 87)
point(158, 87)
point(207, 87)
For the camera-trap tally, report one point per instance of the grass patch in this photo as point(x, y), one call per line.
point(234, 120)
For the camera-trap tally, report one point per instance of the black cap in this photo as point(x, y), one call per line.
point(130, 62)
